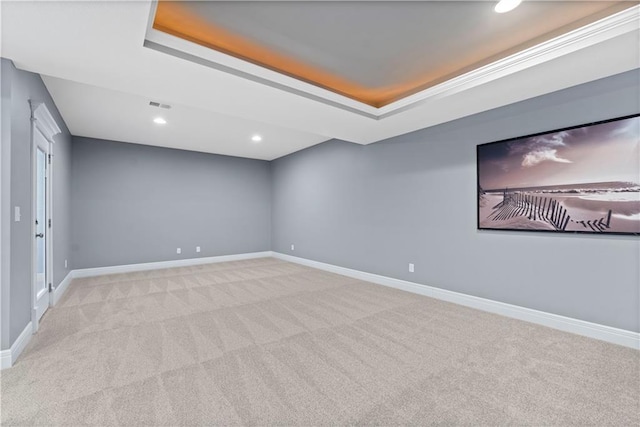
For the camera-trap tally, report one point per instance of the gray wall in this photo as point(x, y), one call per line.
point(18, 87)
point(135, 204)
point(5, 199)
point(413, 199)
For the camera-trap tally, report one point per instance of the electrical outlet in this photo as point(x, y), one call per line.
point(179, 251)
point(411, 268)
point(197, 248)
point(293, 247)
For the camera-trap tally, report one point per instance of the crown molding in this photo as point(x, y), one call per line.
point(597, 32)
point(44, 121)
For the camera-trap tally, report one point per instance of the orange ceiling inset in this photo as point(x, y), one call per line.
point(177, 19)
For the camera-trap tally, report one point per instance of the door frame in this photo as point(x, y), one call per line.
point(42, 122)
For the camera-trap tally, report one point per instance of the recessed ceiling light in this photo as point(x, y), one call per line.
point(506, 5)
point(256, 138)
point(159, 121)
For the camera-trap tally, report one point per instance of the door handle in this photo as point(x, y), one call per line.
point(40, 235)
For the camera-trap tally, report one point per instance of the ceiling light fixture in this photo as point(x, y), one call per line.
point(159, 121)
point(256, 138)
point(504, 6)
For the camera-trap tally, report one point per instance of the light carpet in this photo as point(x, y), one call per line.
point(266, 342)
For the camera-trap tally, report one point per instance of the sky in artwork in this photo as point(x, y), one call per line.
point(598, 153)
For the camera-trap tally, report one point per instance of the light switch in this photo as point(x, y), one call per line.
point(17, 214)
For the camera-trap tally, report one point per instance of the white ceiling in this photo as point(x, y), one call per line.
point(100, 75)
point(97, 112)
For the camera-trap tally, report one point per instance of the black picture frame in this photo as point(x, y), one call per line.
point(542, 208)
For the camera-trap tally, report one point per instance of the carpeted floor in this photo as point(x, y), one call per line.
point(265, 342)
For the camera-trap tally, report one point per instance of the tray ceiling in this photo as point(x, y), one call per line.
point(373, 52)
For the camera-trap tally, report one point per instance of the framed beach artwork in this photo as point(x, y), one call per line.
point(582, 179)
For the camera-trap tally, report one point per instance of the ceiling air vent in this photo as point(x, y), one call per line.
point(159, 105)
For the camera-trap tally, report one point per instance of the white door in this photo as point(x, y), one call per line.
point(41, 267)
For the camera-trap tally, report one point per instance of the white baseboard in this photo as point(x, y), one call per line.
point(99, 271)
point(567, 324)
point(7, 357)
point(61, 288)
